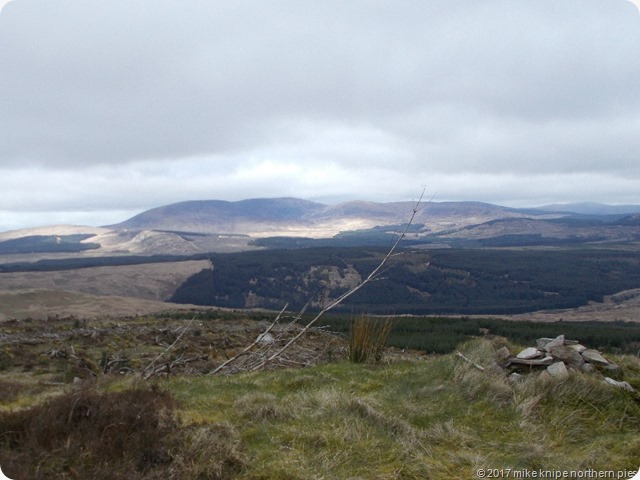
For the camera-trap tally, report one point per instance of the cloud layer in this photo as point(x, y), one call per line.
point(110, 108)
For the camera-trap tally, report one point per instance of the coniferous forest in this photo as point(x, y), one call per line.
point(459, 281)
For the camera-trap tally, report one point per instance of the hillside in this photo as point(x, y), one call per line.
point(41, 304)
point(451, 281)
point(591, 208)
point(411, 417)
point(295, 217)
point(271, 217)
point(150, 281)
point(545, 284)
point(457, 258)
point(220, 226)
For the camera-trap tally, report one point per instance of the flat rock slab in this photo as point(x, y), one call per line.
point(529, 353)
point(615, 383)
point(542, 342)
point(541, 362)
point(594, 356)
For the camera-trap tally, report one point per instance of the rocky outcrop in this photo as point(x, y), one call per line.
point(558, 357)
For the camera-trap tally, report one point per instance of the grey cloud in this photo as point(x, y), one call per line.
point(209, 91)
point(118, 80)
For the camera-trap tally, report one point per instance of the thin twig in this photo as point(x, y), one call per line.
point(176, 363)
point(170, 346)
point(254, 360)
point(260, 337)
point(479, 367)
point(353, 290)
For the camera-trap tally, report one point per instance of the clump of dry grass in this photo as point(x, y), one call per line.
point(210, 450)
point(368, 339)
point(261, 407)
point(482, 385)
point(87, 434)
point(447, 433)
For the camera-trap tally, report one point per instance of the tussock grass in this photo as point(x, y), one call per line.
point(489, 384)
point(427, 418)
point(431, 418)
point(447, 433)
point(210, 450)
point(368, 338)
point(261, 407)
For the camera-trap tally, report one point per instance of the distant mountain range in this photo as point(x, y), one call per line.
point(215, 225)
point(292, 216)
point(591, 208)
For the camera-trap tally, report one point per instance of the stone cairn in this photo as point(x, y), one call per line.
point(558, 356)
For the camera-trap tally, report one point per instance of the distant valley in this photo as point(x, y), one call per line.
point(457, 258)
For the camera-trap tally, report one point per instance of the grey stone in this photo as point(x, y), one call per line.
point(265, 339)
point(529, 353)
point(77, 380)
point(594, 356)
point(542, 342)
point(567, 355)
point(515, 377)
point(615, 383)
point(556, 342)
point(587, 368)
point(578, 348)
point(502, 354)
point(611, 367)
point(533, 361)
point(558, 370)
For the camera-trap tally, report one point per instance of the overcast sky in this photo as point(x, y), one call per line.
point(110, 108)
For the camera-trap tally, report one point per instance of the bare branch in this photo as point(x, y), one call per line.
point(479, 367)
point(186, 327)
point(176, 363)
point(233, 359)
point(353, 290)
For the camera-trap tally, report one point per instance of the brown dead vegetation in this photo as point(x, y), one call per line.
point(57, 350)
point(60, 419)
point(84, 434)
point(132, 434)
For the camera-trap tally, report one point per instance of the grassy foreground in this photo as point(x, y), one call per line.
point(422, 418)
